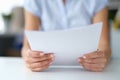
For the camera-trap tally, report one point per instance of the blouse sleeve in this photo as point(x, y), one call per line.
point(99, 5)
point(33, 7)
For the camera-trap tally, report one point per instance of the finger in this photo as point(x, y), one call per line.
point(96, 69)
point(41, 68)
point(95, 54)
point(94, 66)
point(96, 60)
point(43, 58)
point(80, 60)
point(89, 67)
point(35, 54)
point(30, 59)
point(40, 64)
point(93, 69)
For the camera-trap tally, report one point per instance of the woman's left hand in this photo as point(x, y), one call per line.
point(95, 61)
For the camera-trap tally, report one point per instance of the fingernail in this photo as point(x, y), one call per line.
point(41, 54)
point(84, 57)
point(52, 55)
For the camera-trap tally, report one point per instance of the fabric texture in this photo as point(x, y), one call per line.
point(56, 16)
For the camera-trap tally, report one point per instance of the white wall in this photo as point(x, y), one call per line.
point(7, 5)
point(115, 43)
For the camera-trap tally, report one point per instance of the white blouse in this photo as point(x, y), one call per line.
point(56, 15)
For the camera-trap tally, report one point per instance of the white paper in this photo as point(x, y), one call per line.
point(68, 44)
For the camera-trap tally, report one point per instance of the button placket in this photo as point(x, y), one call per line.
point(63, 12)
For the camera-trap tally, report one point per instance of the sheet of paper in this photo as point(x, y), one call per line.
point(68, 44)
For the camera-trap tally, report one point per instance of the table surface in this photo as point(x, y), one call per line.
point(14, 69)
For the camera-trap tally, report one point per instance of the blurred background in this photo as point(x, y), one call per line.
point(12, 27)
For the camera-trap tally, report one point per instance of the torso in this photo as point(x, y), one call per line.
point(64, 14)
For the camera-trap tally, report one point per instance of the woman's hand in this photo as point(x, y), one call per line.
point(38, 61)
point(95, 61)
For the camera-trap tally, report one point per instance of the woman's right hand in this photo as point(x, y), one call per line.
point(38, 61)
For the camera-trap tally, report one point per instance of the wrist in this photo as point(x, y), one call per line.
point(107, 52)
point(23, 51)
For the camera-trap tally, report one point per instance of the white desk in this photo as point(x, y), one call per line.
point(14, 69)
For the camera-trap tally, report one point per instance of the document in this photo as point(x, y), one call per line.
point(67, 45)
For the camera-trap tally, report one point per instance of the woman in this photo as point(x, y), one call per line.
point(48, 15)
